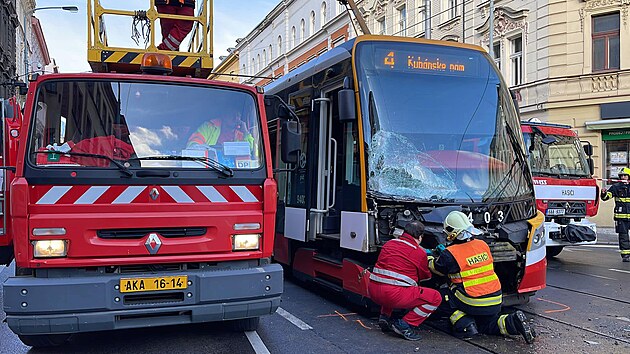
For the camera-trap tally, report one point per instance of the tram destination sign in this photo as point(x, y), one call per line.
point(428, 62)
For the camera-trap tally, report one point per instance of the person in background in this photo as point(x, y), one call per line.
point(393, 284)
point(621, 192)
point(174, 31)
point(474, 296)
point(218, 131)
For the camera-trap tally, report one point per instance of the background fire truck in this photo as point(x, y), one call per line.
point(566, 192)
point(114, 219)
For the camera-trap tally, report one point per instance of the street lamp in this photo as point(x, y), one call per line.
point(73, 9)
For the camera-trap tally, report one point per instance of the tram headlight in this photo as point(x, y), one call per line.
point(538, 238)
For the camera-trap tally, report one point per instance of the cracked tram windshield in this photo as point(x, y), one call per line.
point(133, 122)
point(441, 125)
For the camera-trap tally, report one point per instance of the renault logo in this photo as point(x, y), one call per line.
point(153, 243)
point(154, 194)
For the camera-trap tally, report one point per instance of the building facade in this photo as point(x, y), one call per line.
point(567, 61)
point(8, 24)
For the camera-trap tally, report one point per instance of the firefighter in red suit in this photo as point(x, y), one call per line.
point(393, 284)
point(174, 31)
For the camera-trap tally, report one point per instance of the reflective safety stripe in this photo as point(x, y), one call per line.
point(420, 313)
point(623, 200)
point(429, 307)
point(624, 251)
point(405, 242)
point(378, 279)
point(486, 301)
point(486, 279)
point(395, 275)
point(502, 325)
point(607, 196)
point(432, 267)
point(476, 271)
point(621, 216)
point(456, 316)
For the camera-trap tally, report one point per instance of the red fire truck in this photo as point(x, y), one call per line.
point(137, 200)
point(566, 192)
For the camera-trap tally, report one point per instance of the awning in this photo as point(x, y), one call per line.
point(608, 124)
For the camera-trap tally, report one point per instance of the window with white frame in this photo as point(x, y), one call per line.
point(265, 57)
point(606, 42)
point(292, 37)
point(516, 60)
point(323, 15)
point(279, 46)
point(341, 8)
point(496, 53)
point(302, 30)
point(253, 69)
point(311, 27)
point(380, 26)
point(244, 71)
point(450, 9)
point(270, 53)
point(259, 67)
point(401, 20)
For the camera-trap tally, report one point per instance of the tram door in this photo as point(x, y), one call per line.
point(336, 168)
point(326, 180)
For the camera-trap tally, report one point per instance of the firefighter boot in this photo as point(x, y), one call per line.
point(468, 332)
point(625, 258)
point(385, 323)
point(520, 322)
point(403, 329)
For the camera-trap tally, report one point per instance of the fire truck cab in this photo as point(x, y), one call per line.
point(566, 192)
point(137, 200)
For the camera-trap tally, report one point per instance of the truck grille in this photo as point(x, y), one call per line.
point(572, 208)
point(147, 299)
point(140, 233)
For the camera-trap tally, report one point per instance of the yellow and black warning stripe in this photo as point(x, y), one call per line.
point(124, 57)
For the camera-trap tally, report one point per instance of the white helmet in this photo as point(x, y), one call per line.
point(457, 225)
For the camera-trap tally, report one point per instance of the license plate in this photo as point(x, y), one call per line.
point(130, 285)
point(555, 211)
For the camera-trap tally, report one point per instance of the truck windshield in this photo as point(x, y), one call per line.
point(565, 157)
point(439, 124)
point(135, 123)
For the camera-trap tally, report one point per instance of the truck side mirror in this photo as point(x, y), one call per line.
point(591, 166)
point(290, 140)
point(588, 149)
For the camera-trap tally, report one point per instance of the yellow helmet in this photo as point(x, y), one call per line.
point(457, 225)
point(624, 171)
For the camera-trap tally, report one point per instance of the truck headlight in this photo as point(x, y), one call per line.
point(50, 248)
point(245, 242)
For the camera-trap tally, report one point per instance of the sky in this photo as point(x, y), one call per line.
point(66, 33)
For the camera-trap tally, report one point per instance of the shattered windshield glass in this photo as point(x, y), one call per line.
point(441, 125)
point(144, 125)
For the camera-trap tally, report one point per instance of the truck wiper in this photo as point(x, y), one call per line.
point(120, 166)
point(214, 164)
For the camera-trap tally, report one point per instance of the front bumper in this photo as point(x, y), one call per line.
point(94, 303)
point(553, 229)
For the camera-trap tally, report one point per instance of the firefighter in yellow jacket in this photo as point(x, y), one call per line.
point(474, 295)
point(621, 192)
point(220, 131)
